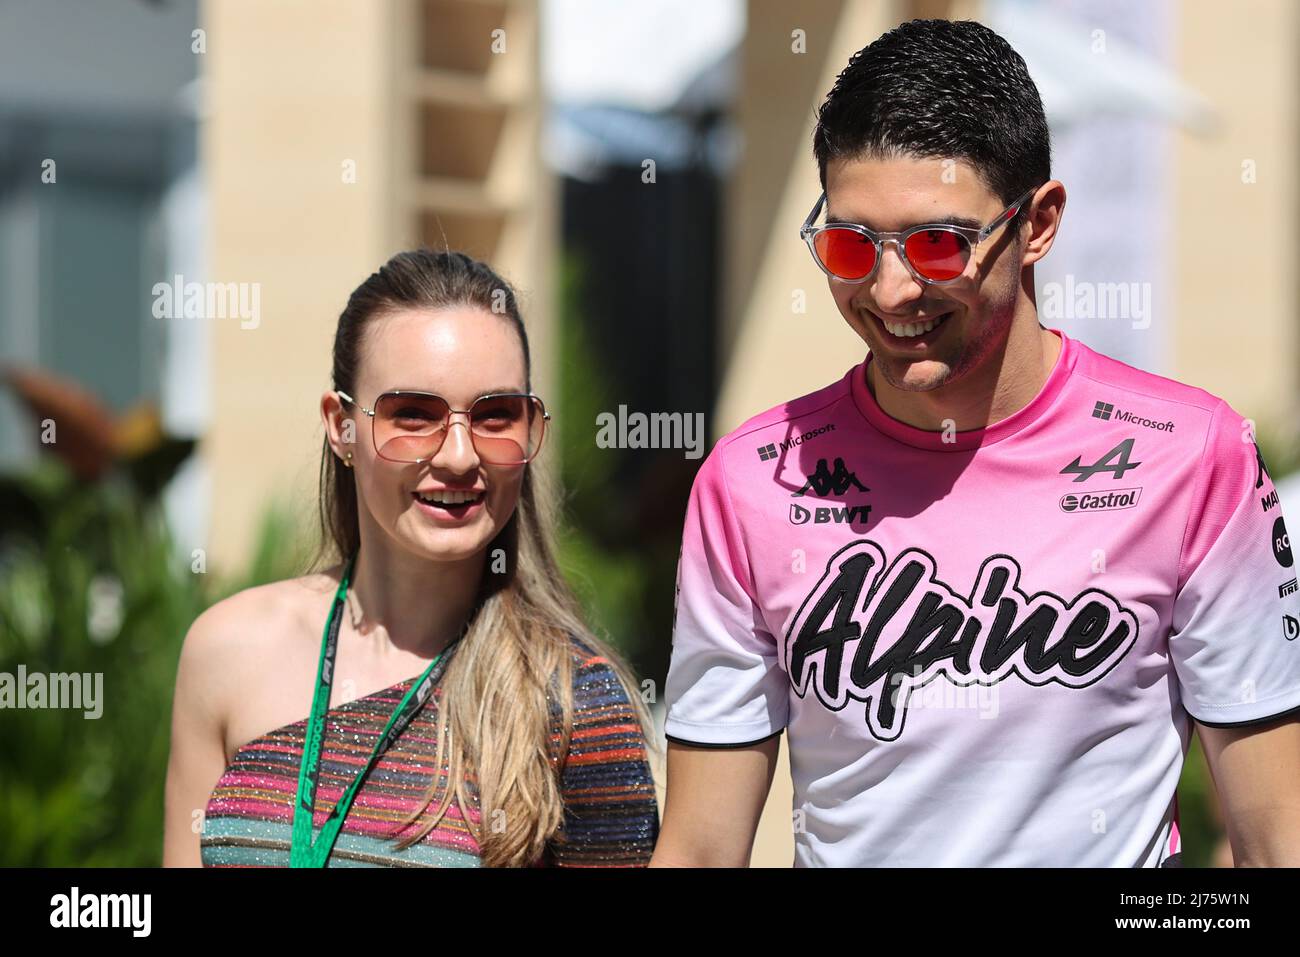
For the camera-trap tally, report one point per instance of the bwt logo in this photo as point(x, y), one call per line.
point(829, 515)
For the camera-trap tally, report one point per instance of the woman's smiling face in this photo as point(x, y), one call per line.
point(457, 352)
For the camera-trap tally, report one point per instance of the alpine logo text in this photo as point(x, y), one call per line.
point(912, 628)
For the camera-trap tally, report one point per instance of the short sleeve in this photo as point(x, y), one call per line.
point(611, 813)
point(1237, 609)
point(725, 685)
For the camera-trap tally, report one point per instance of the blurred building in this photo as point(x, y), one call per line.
point(98, 199)
point(338, 133)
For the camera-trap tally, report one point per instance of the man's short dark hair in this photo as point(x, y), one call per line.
point(940, 89)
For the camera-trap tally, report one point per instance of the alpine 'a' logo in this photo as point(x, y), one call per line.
point(1121, 464)
point(911, 628)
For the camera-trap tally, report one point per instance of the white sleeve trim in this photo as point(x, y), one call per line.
point(1249, 712)
point(720, 733)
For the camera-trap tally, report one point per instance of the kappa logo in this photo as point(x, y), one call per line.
point(913, 628)
point(1268, 501)
point(824, 481)
point(1261, 470)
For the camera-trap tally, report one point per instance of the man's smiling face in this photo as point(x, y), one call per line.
point(975, 311)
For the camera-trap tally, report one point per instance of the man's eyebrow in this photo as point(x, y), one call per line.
point(949, 220)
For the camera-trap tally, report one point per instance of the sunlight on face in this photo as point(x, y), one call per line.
point(894, 194)
point(459, 353)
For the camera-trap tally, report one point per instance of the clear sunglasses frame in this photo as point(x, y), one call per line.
point(808, 233)
point(546, 417)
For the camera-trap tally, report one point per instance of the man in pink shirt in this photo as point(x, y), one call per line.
point(988, 581)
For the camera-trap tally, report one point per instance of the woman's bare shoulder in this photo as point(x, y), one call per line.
point(256, 629)
point(258, 613)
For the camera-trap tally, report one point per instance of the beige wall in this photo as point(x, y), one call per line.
point(286, 107)
point(293, 90)
point(1237, 245)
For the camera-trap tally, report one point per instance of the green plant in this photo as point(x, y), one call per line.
point(91, 583)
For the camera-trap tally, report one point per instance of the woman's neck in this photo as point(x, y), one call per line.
point(405, 606)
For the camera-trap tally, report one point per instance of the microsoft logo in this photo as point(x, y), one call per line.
point(767, 451)
point(1107, 411)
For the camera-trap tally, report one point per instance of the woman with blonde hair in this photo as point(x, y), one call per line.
point(463, 713)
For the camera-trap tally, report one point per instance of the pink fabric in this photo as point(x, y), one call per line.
point(985, 646)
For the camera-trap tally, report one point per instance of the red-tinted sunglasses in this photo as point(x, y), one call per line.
point(934, 253)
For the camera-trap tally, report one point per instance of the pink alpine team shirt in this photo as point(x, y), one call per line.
point(984, 647)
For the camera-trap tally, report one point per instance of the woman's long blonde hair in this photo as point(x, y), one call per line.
point(508, 687)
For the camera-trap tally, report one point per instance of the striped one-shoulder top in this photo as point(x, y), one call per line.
point(611, 813)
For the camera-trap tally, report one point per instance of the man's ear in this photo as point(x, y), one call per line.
point(1047, 206)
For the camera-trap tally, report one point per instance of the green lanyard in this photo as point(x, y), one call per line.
point(303, 852)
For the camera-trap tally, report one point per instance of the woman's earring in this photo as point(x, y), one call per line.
point(348, 461)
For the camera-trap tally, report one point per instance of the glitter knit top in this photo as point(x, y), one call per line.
point(611, 814)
